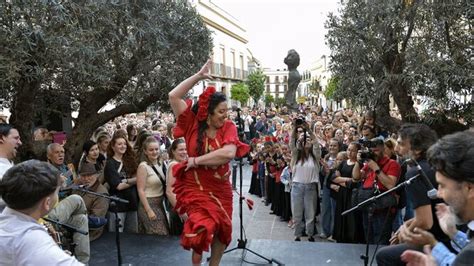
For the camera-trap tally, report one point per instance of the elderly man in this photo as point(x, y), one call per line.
point(9, 143)
point(55, 155)
point(70, 210)
point(453, 159)
point(96, 206)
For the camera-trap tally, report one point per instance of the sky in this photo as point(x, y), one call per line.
point(276, 26)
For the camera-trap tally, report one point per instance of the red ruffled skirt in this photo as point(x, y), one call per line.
point(205, 195)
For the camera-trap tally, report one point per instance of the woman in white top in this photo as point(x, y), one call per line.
point(306, 153)
point(150, 184)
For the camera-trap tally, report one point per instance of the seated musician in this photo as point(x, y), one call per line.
point(71, 209)
point(96, 206)
point(23, 241)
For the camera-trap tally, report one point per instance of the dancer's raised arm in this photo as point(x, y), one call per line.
point(176, 95)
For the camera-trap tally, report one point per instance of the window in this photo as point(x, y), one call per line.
point(222, 72)
point(285, 79)
point(232, 57)
point(241, 67)
point(268, 88)
point(268, 79)
point(276, 79)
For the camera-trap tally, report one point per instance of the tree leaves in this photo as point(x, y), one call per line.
point(411, 49)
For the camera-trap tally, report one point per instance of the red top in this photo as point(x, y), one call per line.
point(388, 166)
point(204, 193)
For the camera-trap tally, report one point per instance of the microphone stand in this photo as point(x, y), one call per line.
point(113, 204)
point(371, 210)
point(241, 242)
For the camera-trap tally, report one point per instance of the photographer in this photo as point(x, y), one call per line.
point(380, 173)
point(306, 153)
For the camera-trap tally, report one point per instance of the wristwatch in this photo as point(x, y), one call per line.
point(124, 181)
point(377, 172)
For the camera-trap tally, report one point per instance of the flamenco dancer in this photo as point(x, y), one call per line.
point(202, 186)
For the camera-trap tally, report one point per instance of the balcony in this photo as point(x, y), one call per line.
point(223, 71)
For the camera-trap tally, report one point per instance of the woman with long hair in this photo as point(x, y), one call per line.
point(151, 175)
point(120, 174)
point(202, 186)
point(328, 204)
point(177, 153)
point(306, 153)
point(347, 229)
point(103, 141)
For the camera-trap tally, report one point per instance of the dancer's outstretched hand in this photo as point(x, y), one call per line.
point(206, 69)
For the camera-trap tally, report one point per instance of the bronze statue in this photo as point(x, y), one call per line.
point(292, 60)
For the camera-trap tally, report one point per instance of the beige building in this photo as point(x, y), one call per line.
point(231, 55)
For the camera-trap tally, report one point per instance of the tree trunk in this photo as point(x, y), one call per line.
point(85, 125)
point(22, 110)
point(399, 88)
point(382, 109)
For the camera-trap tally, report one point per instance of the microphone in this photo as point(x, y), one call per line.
point(432, 192)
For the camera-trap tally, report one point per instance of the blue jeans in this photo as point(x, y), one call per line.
point(304, 201)
point(261, 182)
point(328, 209)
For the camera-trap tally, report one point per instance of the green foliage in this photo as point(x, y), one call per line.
point(130, 53)
point(280, 101)
point(405, 48)
point(269, 99)
point(331, 88)
point(256, 84)
point(134, 48)
point(240, 92)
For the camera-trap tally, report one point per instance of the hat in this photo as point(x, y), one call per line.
point(87, 169)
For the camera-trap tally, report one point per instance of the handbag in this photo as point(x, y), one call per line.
point(175, 224)
point(362, 194)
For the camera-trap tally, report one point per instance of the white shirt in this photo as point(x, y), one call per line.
point(23, 241)
point(5, 164)
point(305, 172)
point(248, 120)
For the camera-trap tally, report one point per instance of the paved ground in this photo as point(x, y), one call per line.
point(258, 223)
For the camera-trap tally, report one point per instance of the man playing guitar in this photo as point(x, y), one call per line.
point(30, 191)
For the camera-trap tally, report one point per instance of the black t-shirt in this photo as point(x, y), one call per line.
point(113, 178)
point(417, 193)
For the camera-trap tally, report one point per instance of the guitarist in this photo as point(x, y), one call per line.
point(23, 241)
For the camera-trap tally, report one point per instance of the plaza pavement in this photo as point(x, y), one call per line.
point(258, 222)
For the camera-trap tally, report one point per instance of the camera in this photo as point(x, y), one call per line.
point(300, 121)
point(367, 155)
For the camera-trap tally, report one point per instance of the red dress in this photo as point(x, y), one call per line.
point(204, 193)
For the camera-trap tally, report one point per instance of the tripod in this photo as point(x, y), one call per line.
point(241, 242)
